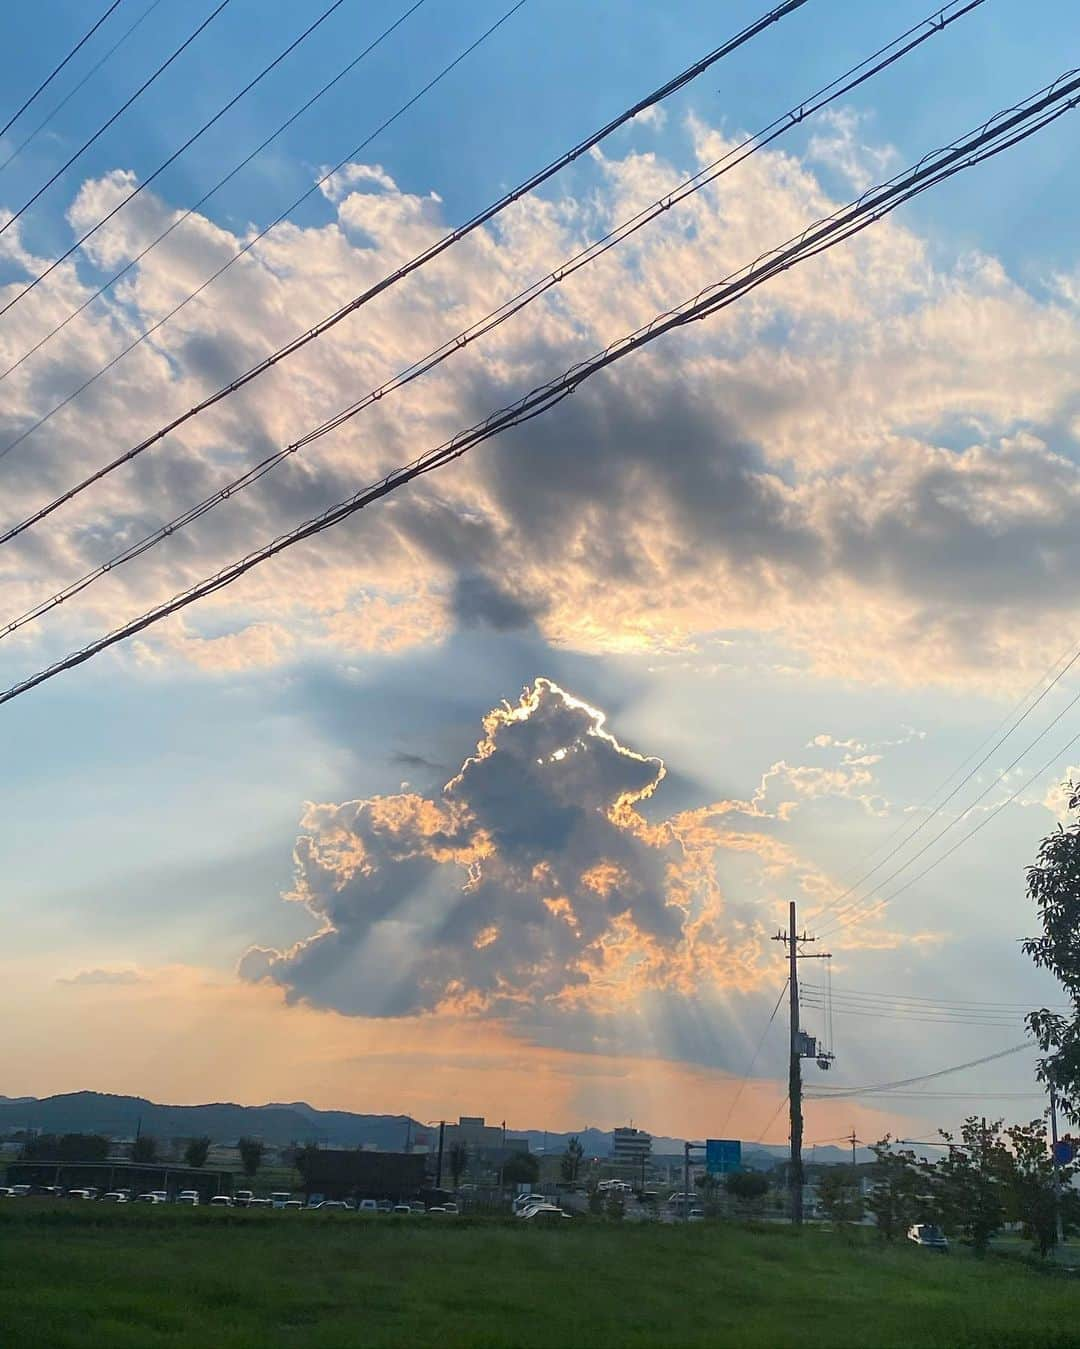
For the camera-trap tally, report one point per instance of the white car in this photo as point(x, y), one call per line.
point(221, 1201)
point(279, 1198)
point(526, 1200)
point(451, 1208)
point(367, 1206)
point(189, 1197)
point(297, 1204)
point(76, 1194)
point(401, 1211)
point(696, 1215)
point(20, 1191)
point(114, 1197)
point(543, 1213)
point(152, 1197)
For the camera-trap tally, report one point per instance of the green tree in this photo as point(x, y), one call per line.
point(251, 1155)
point(840, 1196)
point(595, 1197)
point(196, 1151)
point(1053, 883)
point(898, 1182)
point(65, 1148)
point(570, 1163)
point(747, 1188)
point(144, 1149)
point(457, 1159)
point(967, 1187)
point(521, 1168)
point(1030, 1196)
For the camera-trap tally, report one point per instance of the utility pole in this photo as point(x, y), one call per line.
point(1057, 1165)
point(854, 1140)
point(792, 941)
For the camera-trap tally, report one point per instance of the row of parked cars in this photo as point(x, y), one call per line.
point(280, 1199)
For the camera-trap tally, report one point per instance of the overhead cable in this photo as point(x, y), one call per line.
point(829, 1093)
point(185, 215)
point(754, 1057)
point(866, 994)
point(1001, 132)
point(965, 838)
point(115, 116)
point(144, 183)
point(57, 69)
point(421, 259)
point(481, 327)
point(57, 107)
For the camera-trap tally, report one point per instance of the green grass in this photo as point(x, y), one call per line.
point(92, 1276)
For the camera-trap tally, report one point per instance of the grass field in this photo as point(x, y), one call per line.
point(114, 1278)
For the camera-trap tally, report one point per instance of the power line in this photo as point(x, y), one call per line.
point(184, 215)
point(427, 255)
point(908, 997)
point(754, 1057)
point(118, 113)
point(75, 88)
point(888, 899)
point(832, 906)
point(1001, 132)
point(761, 1139)
point(145, 182)
point(829, 1093)
point(481, 327)
point(57, 69)
point(861, 908)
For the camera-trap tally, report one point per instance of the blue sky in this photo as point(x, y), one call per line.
point(152, 798)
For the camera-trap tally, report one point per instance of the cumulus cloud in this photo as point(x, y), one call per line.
point(871, 463)
point(531, 880)
point(540, 887)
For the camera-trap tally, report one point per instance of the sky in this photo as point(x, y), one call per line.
point(491, 799)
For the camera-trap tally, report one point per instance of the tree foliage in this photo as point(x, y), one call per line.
point(521, 1168)
point(196, 1151)
point(895, 1198)
point(1053, 883)
point(570, 1163)
point(840, 1195)
point(1030, 1196)
point(144, 1149)
point(251, 1154)
point(65, 1148)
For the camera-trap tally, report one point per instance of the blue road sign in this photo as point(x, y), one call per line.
point(722, 1155)
point(1064, 1152)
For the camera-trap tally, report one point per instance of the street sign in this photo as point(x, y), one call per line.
point(722, 1155)
point(1064, 1152)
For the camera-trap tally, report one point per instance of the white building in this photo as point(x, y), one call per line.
point(631, 1147)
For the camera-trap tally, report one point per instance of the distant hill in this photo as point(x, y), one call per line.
point(122, 1116)
point(281, 1123)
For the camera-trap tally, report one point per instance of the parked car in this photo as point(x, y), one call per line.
point(78, 1194)
point(188, 1197)
point(242, 1198)
point(258, 1203)
point(696, 1215)
point(385, 1206)
point(332, 1206)
point(114, 1197)
point(525, 1200)
point(401, 1211)
point(280, 1198)
point(293, 1204)
point(221, 1201)
point(151, 1197)
point(417, 1207)
point(367, 1206)
point(928, 1235)
point(20, 1191)
point(49, 1192)
point(450, 1207)
point(436, 1208)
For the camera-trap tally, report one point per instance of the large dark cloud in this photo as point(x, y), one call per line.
point(530, 881)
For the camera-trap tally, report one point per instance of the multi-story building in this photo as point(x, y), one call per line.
point(631, 1147)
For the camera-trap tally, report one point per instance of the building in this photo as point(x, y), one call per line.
point(337, 1173)
point(488, 1145)
point(631, 1148)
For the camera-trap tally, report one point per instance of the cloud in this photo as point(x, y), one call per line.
point(871, 464)
point(531, 881)
point(104, 978)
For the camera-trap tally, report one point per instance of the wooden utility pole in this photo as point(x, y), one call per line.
point(792, 940)
point(853, 1140)
point(1057, 1165)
